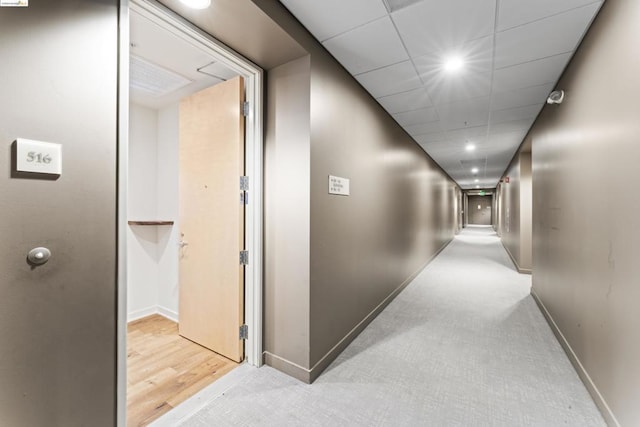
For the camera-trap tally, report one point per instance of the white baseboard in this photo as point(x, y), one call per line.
point(144, 312)
point(169, 314)
point(599, 400)
point(155, 309)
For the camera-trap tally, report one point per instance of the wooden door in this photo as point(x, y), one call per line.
point(212, 218)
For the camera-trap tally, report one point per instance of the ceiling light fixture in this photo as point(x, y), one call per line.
point(453, 64)
point(470, 147)
point(476, 180)
point(477, 186)
point(197, 4)
point(474, 170)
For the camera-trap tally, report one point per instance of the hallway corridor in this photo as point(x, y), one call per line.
point(463, 345)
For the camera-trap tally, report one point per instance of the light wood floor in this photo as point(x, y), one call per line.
point(164, 369)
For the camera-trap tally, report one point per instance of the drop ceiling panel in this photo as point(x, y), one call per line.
point(468, 133)
point(512, 126)
point(521, 97)
point(406, 101)
point(439, 26)
point(397, 50)
point(460, 115)
point(547, 37)
point(431, 138)
point(470, 85)
point(389, 80)
point(423, 128)
point(518, 12)
point(423, 115)
point(511, 114)
point(529, 74)
point(329, 18)
point(368, 47)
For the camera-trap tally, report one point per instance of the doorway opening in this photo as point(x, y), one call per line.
point(190, 212)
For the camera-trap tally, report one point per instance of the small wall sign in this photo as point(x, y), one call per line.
point(338, 185)
point(38, 157)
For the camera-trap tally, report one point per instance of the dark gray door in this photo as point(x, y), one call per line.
point(480, 210)
point(58, 83)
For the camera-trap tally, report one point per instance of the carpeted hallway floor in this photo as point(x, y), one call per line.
point(463, 345)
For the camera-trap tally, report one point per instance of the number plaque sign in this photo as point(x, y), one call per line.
point(38, 157)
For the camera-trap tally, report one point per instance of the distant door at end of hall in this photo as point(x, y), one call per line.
point(479, 210)
point(211, 308)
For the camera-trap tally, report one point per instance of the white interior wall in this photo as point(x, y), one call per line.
point(168, 207)
point(142, 275)
point(153, 195)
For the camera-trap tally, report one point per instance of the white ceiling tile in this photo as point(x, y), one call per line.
point(471, 85)
point(430, 138)
point(521, 97)
point(439, 26)
point(332, 17)
point(423, 128)
point(389, 80)
point(476, 54)
point(507, 127)
point(518, 12)
point(394, 5)
point(540, 39)
point(406, 101)
point(459, 115)
point(472, 81)
point(469, 133)
point(423, 115)
point(511, 114)
point(368, 47)
point(532, 73)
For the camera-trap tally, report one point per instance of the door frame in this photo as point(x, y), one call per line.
point(254, 82)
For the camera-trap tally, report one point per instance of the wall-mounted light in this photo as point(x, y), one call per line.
point(197, 4)
point(556, 97)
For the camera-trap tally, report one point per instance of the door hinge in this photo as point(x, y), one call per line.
point(246, 109)
point(244, 332)
point(244, 183)
point(244, 198)
point(244, 257)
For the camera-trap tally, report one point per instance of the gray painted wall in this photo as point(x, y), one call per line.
point(401, 210)
point(287, 214)
point(586, 232)
point(515, 211)
point(362, 249)
point(57, 321)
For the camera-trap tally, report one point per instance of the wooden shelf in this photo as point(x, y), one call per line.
point(150, 222)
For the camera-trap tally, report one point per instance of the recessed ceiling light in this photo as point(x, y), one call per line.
point(470, 147)
point(474, 170)
point(197, 4)
point(477, 186)
point(453, 64)
point(476, 180)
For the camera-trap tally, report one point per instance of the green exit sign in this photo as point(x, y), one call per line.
point(482, 193)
